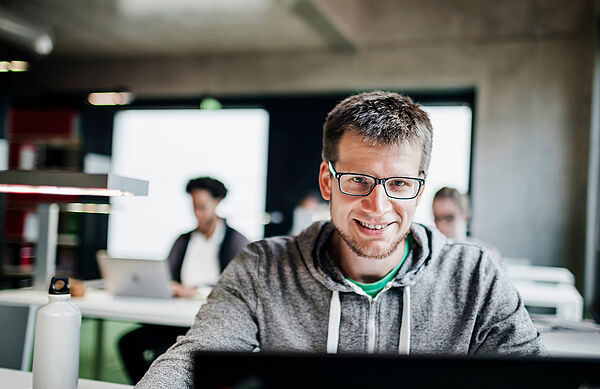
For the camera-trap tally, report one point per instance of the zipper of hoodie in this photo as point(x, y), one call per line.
point(371, 320)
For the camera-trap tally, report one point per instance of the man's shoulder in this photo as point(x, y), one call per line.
point(444, 249)
point(466, 246)
point(464, 257)
point(280, 246)
point(452, 256)
point(274, 255)
point(305, 240)
point(493, 250)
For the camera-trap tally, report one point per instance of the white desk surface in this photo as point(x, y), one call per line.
point(572, 344)
point(16, 379)
point(103, 305)
point(565, 338)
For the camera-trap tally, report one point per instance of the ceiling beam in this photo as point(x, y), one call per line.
point(319, 19)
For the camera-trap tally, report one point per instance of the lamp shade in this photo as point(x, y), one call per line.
point(70, 183)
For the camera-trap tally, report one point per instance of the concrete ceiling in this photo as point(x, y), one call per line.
point(159, 28)
point(133, 28)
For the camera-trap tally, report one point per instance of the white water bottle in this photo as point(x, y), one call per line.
point(56, 343)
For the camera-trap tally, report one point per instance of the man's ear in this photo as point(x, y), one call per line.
point(325, 181)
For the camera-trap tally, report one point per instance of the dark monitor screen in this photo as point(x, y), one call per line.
point(304, 370)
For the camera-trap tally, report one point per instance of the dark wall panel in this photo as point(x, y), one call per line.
point(96, 126)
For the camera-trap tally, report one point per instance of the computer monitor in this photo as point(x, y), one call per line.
point(304, 370)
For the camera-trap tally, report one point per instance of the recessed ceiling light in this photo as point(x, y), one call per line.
point(14, 66)
point(110, 98)
point(19, 66)
point(43, 44)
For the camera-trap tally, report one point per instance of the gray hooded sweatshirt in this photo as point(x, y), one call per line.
point(286, 294)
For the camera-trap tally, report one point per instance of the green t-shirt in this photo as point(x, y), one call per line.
point(373, 288)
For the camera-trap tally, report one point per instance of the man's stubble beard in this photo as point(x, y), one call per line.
point(366, 252)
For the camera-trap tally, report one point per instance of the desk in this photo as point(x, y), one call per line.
point(565, 338)
point(101, 305)
point(572, 344)
point(16, 379)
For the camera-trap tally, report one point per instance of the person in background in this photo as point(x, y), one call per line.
point(310, 208)
point(451, 212)
point(196, 259)
point(368, 281)
point(199, 256)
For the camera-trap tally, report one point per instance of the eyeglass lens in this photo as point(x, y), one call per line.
point(357, 184)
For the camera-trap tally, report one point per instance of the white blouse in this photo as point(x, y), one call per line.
point(201, 261)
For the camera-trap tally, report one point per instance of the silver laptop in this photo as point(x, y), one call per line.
point(134, 277)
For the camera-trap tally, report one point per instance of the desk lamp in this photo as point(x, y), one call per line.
point(62, 183)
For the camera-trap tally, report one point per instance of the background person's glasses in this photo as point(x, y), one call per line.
point(403, 188)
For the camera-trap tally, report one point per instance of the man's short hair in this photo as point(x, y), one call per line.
point(459, 199)
point(213, 186)
point(381, 118)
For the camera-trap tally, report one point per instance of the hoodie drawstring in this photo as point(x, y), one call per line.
point(404, 344)
point(335, 316)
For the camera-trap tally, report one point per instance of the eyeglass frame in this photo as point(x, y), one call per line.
point(378, 181)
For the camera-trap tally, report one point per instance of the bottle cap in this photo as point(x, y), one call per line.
point(59, 285)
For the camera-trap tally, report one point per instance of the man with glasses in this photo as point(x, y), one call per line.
point(369, 281)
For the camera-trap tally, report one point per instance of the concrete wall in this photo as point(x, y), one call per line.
point(533, 95)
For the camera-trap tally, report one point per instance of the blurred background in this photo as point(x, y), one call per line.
point(239, 89)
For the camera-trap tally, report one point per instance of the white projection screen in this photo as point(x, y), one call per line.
point(168, 148)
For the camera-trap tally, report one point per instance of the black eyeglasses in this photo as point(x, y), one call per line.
point(402, 188)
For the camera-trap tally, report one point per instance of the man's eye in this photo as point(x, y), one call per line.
point(359, 180)
point(398, 183)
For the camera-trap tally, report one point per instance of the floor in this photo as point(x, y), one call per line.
point(112, 368)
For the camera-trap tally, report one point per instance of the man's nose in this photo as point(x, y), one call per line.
point(377, 201)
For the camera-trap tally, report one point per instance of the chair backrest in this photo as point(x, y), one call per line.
point(16, 337)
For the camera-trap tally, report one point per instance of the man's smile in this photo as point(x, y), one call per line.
point(372, 228)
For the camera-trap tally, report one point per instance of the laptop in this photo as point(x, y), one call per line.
point(135, 277)
point(266, 370)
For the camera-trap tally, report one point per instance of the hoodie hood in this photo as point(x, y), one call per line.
point(428, 244)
